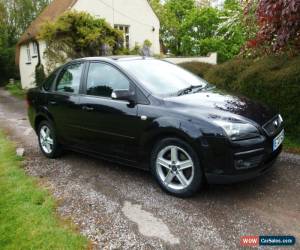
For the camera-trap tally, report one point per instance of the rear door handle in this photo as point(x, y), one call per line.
point(87, 108)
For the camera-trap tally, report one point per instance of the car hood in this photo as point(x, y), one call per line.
point(216, 102)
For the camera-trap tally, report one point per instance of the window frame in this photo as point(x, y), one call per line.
point(60, 71)
point(28, 54)
point(141, 94)
point(84, 87)
point(55, 73)
point(34, 50)
point(123, 27)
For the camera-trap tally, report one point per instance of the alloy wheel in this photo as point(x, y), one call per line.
point(175, 167)
point(46, 139)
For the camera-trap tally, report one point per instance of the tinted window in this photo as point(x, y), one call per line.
point(103, 79)
point(161, 78)
point(49, 81)
point(69, 79)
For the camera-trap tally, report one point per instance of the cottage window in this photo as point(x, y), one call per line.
point(125, 30)
point(28, 53)
point(35, 49)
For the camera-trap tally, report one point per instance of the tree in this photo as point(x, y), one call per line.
point(157, 6)
point(203, 3)
point(78, 34)
point(20, 13)
point(208, 29)
point(234, 29)
point(201, 23)
point(279, 26)
point(2, 14)
point(7, 65)
point(2, 25)
point(15, 17)
point(172, 17)
point(196, 29)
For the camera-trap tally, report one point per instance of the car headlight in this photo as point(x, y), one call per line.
point(237, 130)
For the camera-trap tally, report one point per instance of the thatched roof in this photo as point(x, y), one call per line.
point(50, 13)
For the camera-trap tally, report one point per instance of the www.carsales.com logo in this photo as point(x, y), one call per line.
point(255, 241)
point(250, 241)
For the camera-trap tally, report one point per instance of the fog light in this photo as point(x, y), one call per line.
point(248, 163)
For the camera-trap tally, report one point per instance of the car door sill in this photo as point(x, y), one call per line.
point(107, 157)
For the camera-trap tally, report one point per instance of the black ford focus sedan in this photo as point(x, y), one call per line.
point(154, 115)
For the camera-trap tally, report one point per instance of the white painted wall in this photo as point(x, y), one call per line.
point(138, 14)
point(211, 59)
point(27, 68)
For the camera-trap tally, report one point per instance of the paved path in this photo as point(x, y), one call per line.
point(122, 208)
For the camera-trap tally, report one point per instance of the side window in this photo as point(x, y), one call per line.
point(69, 79)
point(103, 79)
point(49, 81)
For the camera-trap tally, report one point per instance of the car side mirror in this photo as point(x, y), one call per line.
point(123, 95)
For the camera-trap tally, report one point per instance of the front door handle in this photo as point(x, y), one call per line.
point(52, 102)
point(87, 108)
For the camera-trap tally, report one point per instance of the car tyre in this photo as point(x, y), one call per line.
point(176, 167)
point(48, 140)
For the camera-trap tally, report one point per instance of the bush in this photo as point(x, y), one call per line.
point(7, 65)
point(197, 68)
point(40, 75)
point(16, 90)
point(212, 44)
point(273, 80)
point(276, 82)
point(226, 75)
point(78, 34)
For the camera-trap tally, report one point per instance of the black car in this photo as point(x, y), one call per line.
point(154, 115)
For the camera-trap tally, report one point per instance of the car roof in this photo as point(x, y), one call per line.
point(113, 58)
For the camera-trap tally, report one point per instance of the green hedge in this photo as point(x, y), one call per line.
point(227, 74)
point(274, 80)
point(197, 68)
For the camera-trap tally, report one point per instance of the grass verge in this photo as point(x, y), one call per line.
point(292, 145)
point(16, 90)
point(27, 212)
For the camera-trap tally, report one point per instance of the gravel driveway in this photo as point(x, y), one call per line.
point(118, 207)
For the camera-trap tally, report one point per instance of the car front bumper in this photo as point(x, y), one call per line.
point(225, 162)
point(264, 168)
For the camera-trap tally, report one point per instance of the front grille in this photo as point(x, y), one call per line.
point(273, 126)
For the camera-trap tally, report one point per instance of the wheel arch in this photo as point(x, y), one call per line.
point(195, 179)
point(183, 130)
point(42, 117)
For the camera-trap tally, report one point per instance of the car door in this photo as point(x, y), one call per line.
point(109, 126)
point(63, 102)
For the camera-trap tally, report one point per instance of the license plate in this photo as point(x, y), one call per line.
point(278, 140)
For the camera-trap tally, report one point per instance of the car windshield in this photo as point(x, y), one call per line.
point(162, 78)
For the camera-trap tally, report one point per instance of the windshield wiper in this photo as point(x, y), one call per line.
point(189, 89)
